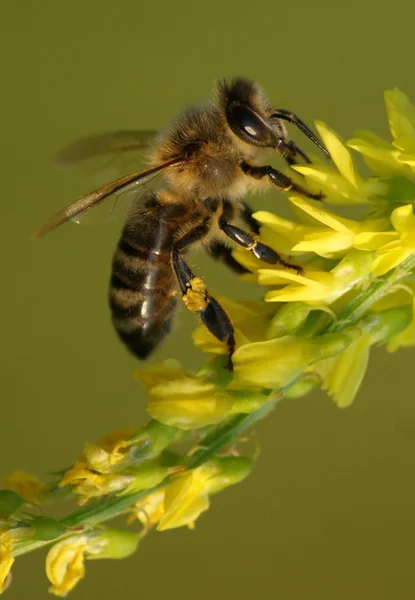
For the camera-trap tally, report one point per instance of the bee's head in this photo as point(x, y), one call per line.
point(248, 113)
point(253, 120)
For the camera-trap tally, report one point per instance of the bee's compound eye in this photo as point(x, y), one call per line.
point(246, 124)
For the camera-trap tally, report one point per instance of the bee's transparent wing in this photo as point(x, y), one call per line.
point(112, 152)
point(118, 205)
point(116, 187)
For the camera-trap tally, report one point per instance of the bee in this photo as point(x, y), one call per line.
point(205, 163)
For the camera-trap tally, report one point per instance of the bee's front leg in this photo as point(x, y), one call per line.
point(278, 179)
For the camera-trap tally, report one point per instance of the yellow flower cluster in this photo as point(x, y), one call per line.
point(315, 327)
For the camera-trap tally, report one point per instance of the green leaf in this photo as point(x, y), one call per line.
point(10, 502)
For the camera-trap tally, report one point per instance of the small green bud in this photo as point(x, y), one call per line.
point(116, 543)
point(303, 386)
point(45, 528)
point(387, 323)
point(247, 402)
point(155, 437)
point(288, 319)
point(228, 470)
point(148, 475)
point(332, 344)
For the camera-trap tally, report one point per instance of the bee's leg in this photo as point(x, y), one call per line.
point(277, 178)
point(246, 214)
point(223, 253)
point(197, 299)
point(258, 249)
point(290, 151)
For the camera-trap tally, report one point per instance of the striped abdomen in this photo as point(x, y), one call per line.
point(143, 285)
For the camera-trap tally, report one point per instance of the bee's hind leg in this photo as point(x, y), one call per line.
point(197, 299)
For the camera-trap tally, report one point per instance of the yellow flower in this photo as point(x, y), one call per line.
point(250, 320)
point(281, 234)
point(339, 234)
point(112, 465)
point(343, 374)
point(88, 484)
point(185, 499)
point(186, 401)
point(24, 484)
point(401, 116)
point(187, 496)
point(397, 158)
point(148, 510)
point(65, 562)
point(395, 252)
point(316, 287)
point(108, 451)
point(6, 559)
point(275, 364)
point(380, 156)
point(95, 472)
point(344, 184)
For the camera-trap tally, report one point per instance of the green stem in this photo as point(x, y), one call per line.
point(361, 303)
point(224, 433)
point(101, 512)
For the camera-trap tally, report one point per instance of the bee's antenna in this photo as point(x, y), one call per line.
point(286, 115)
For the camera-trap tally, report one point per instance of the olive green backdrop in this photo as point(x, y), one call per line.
point(329, 509)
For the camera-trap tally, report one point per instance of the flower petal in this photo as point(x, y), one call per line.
point(325, 244)
point(325, 217)
point(345, 373)
point(373, 240)
point(65, 564)
point(6, 559)
point(339, 153)
point(389, 260)
point(188, 403)
point(401, 113)
point(185, 499)
point(380, 156)
point(403, 219)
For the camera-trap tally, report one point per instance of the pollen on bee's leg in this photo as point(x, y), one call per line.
point(195, 298)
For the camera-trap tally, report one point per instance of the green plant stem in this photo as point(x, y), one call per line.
point(223, 434)
point(361, 303)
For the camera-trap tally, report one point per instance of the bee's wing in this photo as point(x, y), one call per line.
point(112, 150)
point(87, 201)
point(118, 205)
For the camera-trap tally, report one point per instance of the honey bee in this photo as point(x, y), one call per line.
point(205, 161)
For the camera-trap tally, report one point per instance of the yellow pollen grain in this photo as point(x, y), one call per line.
point(195, 297)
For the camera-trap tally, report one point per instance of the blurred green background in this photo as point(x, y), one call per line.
point(329, 509)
